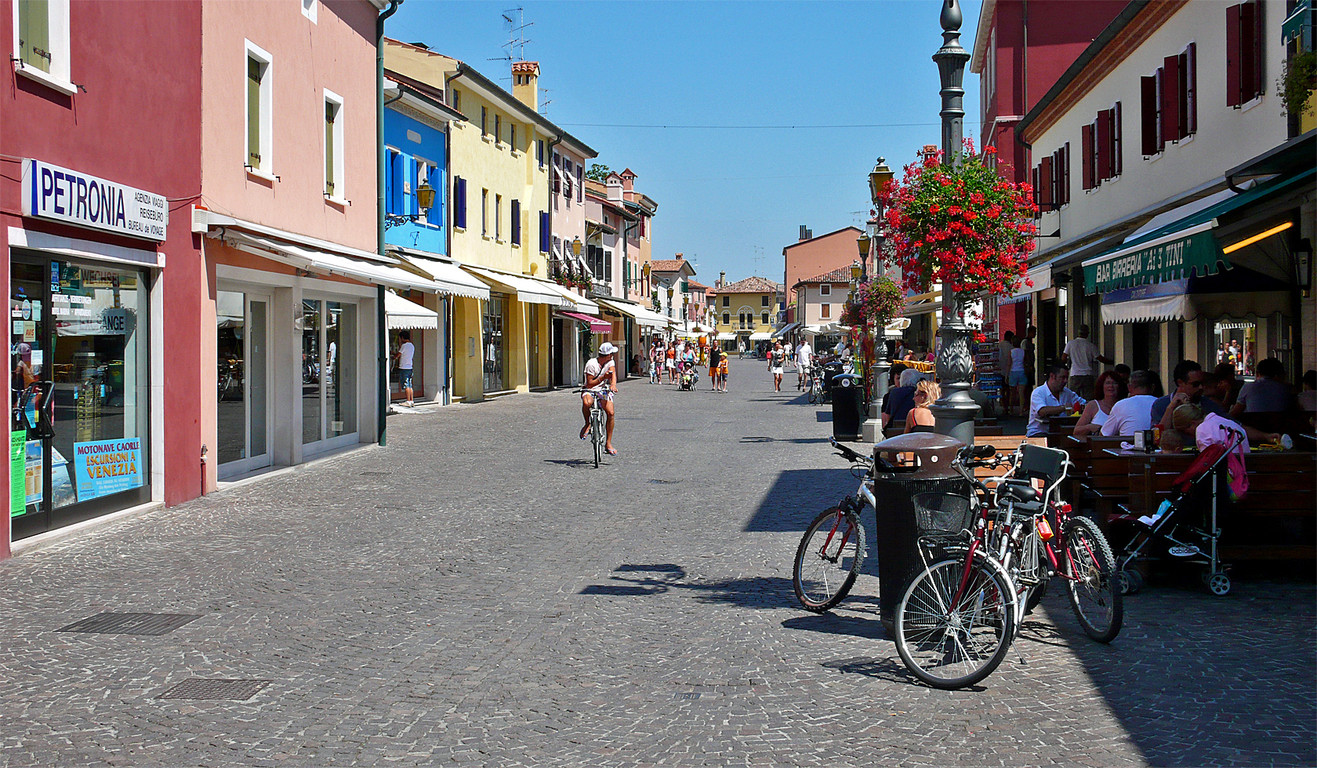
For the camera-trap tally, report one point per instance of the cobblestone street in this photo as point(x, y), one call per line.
point(476, 592)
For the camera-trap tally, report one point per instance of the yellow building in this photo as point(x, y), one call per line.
point(498, 207)
point(744, 312)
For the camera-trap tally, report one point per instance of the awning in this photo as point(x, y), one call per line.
point(448, 275)
point(325, 263)
point(528, 290)
point(785, 329)
point(725, 336)
point(644, 317)
point(401, 313)
point(1301, 17)
point(596, 325)
point(578, 301)
point(702, 329)
point(1184, 248)
point(1240, 293)
point(759, 336)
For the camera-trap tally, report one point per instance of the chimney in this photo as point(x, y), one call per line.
point(679, 257)
point(614, 184)
point(628, 180)
point(525, 83)
point(722, 278)
point(805, 233)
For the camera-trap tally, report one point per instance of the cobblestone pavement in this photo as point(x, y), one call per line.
point(477, 593)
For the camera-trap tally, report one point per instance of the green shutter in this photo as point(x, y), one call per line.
point(34, 33)
point(329, 147)
point(254, 68)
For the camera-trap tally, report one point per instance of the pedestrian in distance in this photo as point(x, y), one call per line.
point(776, 360)
point(1004, 348)
point(670, 362)
point(715, 358)
point(1083, 358)
point(405, 356)
point(722, 374)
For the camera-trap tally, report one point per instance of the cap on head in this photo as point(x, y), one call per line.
point(608, 348)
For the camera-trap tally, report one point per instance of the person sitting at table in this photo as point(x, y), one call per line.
point(1111, 388)
point(1123, 371)
point(920, 418)
point(1207, 427)
point(1308, 397)
point(1188, 376)
point(1051, 398)
point(899, 401)
point(1268, 393)
point(1133, 413)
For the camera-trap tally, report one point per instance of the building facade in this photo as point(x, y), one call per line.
point(746, 312)
point(811, 256)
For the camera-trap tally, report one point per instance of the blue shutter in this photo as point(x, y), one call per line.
point(544, 232)
point(435, 216)
point(394, 184)
point(459, 203)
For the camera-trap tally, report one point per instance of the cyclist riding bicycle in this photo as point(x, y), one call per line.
point(601, 382)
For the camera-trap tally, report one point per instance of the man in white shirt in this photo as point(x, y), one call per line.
point(1134, 413)
point(1083, 357)
point(406, 354)
point(1051, 398)
point(600, 382)
point(804, 358)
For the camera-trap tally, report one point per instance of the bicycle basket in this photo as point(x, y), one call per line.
point(942, 513)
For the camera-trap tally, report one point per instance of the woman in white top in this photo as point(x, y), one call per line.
point(1018, 378)
point(1112, 389)
point(776, 358)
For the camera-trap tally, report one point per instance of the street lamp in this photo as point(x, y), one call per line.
point(954, 411)
point(424, 202)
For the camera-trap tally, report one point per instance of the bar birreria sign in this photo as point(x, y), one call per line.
point(60, 194)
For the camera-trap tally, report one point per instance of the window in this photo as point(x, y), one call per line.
point(498, 128)
point(825, 290)
point(765, 318)
point(1102, 145)
point(498, 217)
point(544, 232)
point(1243, 53)
point(334, 187)
point(426, 173)
point(394, 181)
point(727, 301)
point(41, 42)
point(825, 311)
point(459, 202)
point(763, 301)
point(457, 100)
point(512, 136)
point(557, 174)
point(579, 185)
point(484, 212)
point(516, 222)
point(309, 9)
point(484, 121)
point(1052, 180)
point(727, 318)
point(258, 109)
point(539, 152)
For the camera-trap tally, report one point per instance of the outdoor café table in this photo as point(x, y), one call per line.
point(1060, 427)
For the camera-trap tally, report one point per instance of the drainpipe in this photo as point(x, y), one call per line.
point(383, 335)
point(554, 352)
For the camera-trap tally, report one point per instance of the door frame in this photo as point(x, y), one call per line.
point(251, 463)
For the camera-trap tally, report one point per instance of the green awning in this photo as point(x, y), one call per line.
point(1184, 248)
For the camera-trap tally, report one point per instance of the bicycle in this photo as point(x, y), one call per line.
point(598, 419)
point(832, 550)
point(957, 618)
point(1036, 539)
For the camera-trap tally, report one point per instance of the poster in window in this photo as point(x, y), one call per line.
point(102, 467)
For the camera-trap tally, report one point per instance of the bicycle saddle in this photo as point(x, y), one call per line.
point(1019, 491)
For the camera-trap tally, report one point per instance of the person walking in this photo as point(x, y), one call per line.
point(1018, 379)
point(405, 356)
point(715, 359)
point(1004, 348)
point(776, 359)
point(804, 359)
point(670, 362)
point(1083, 357)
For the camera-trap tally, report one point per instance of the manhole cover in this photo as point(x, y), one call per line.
point(132, 623)
point(215, 690)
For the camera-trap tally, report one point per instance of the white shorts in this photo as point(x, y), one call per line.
point(776, 371)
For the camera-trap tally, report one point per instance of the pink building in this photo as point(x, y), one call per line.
point(811, 256)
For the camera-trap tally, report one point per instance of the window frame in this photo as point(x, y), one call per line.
point(338, 161)
point(825, 311)
point(484, 212)
point(515, 212)
point(59, 75)
point(265, 121)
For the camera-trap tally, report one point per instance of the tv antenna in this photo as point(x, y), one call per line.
point(515, 23)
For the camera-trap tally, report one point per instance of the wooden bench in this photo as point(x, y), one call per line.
point(1276, 519)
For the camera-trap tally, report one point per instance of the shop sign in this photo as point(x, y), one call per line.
point(103, 467)
point(59, 194)
point(1162, 260)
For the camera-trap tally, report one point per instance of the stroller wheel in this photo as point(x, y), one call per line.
point(1131, 581)
point(1219, 584)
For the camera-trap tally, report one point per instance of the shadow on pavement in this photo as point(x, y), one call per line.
point(798, 495)
point(824, 416)
point(890, 669)
point(854, 625)
point(572, 462)
point(633, 580)
point(795, 440)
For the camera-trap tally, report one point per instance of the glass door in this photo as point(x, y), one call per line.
point(29, 349)
point(242, 355)
point(329, 372)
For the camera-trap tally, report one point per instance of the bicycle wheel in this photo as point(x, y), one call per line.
point(597, 435)
point(952, 644)
point(1092, 584)
point(828, 559)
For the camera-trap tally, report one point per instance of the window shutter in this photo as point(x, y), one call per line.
point(1189, 69)
point(545, 234)
point(1046, 183)
point(1104, 144)
point(253, 113)
point(608, 266)
point(580, 169)
point(34, 33)
point(1117, 141)
point(1086, 155)
point(557, 179)
point(1170, 93)
point(516, 223)
point(1148, 118)
point(1234, 89)
point(1249, 69)
point(459, 202)
point(1066, 179)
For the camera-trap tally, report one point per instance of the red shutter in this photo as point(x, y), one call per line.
point(1037, 188)
point(1234, 89)
point(1086, 155)
point(1248, 52)
point(1104, 144)
point(1171, 99)
point(1117, 141)
point(1148, 120)
point(1065, 178)
point(1190, 72)
point(1045, 184)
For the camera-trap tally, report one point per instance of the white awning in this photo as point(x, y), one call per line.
point(528, 289)
point(725, 336)
point(402, 313)
point(644, 317)
point(449, 275)
point(579, 302)
point(785, 329)
point(759, 336)
point(1146, 310)
point(325, 263)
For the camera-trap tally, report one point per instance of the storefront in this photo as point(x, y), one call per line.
point(80, 350)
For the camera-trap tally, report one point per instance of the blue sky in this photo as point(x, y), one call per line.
point(743, 120)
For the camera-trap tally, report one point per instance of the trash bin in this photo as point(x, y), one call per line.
point(830, 370)
point(847, 391)
point(923, 463)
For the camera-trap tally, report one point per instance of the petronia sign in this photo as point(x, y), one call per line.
point(60, 194)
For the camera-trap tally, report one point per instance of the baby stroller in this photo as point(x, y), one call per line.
point(1189, 531)
point(688, 377)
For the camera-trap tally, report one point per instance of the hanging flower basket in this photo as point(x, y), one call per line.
point(960, 225)
point(874, 305)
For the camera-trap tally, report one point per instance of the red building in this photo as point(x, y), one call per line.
point(100, 151)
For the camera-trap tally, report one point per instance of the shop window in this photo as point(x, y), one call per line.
point(41, 39)
point(259, 87)
point(493, 343)
point(329, 370)
point(1243, 53)
point(334, 146)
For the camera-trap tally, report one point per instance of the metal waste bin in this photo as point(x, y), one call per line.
point(923, 462)
point(847, 390)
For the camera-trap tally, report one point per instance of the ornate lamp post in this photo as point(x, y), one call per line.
point(955, 410)
point(872, 429)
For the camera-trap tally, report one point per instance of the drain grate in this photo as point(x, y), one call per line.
point(131, 623)
point(215, 690)
point(686, 696)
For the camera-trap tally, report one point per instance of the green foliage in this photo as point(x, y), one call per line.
point(598, 172)
point(1297, 81)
